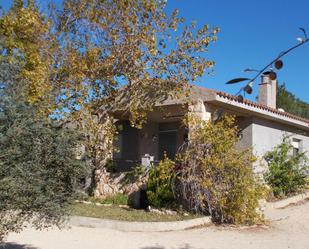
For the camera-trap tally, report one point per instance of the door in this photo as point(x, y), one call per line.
point(167, 144)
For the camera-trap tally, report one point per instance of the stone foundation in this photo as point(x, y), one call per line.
point(109, 184)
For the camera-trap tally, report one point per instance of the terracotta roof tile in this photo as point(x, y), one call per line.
point(262, 107)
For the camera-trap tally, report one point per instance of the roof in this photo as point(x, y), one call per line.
point(263, 107)
point(229, 100)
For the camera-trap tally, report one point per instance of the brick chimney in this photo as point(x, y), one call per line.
point(267, 91)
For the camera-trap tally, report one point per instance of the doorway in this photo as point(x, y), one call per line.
point(167, 144)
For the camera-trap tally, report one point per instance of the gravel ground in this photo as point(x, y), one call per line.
point(288, 228)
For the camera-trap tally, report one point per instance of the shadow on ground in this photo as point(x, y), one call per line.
point(161, 247)
point(15, 246)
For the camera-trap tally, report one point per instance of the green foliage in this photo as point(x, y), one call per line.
point(159, 187)
point(39, 171)
point(287, 101)
point(110, 166)
point(134, 174)
point(125, 214)
point(287, 173)
point(117, 199)
point(217, 178)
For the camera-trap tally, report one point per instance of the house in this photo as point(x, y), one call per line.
point(262, 125)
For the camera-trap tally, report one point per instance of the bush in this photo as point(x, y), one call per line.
point(132, 176)
point(110, 166)
point(39, 169)
point(287, 173)
point(215, 177)
point(159, 189)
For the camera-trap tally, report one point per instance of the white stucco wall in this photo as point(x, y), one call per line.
point(267, 134)
point(245, 125)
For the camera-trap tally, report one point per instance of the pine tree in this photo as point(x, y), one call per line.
point(290, 103)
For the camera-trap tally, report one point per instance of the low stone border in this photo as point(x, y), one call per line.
point(128, 226)
point(134, 226)
point(288, 201)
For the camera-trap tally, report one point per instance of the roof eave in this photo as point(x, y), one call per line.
point(250, 109)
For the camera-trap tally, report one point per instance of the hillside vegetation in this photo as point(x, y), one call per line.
point(290, 103)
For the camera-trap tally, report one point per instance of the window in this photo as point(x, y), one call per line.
point(168, 139)
point(126, 142)
point(117, 153)
point(296, 146)
point(167, 144)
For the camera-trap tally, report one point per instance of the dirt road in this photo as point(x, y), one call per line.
point(289, 228)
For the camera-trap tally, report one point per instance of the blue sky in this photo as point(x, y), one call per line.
point(252, 33)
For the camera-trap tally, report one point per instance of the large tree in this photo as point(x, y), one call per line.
point(130, 44)
point(125, 55)
point(92, 54)
point(86, 51)
point(26, 39)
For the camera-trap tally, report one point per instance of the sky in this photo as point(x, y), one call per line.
point(252, 33)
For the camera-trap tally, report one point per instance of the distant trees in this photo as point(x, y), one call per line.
point(290, 103)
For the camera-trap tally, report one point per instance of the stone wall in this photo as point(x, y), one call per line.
point(199, 109)
point(109, 184)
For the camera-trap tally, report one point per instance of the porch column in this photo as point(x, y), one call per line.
point(197, 111)
point(200, 110)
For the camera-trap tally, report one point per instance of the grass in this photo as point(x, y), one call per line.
point(124, 214)
point(117, 199)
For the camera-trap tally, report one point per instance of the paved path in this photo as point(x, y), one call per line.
point(289, 229)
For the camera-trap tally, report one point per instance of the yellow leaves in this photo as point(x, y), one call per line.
point(215, 30)
point(111, 39)
point(224, 131)
point(224, 173)
point(95, 47)
point(24, 30)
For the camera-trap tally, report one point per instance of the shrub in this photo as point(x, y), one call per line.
point(110, 166)
point(215, 177)
point(287, 173)
point(116, 199)
point(159, 190)
point(39, 170)
point(133, 175)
